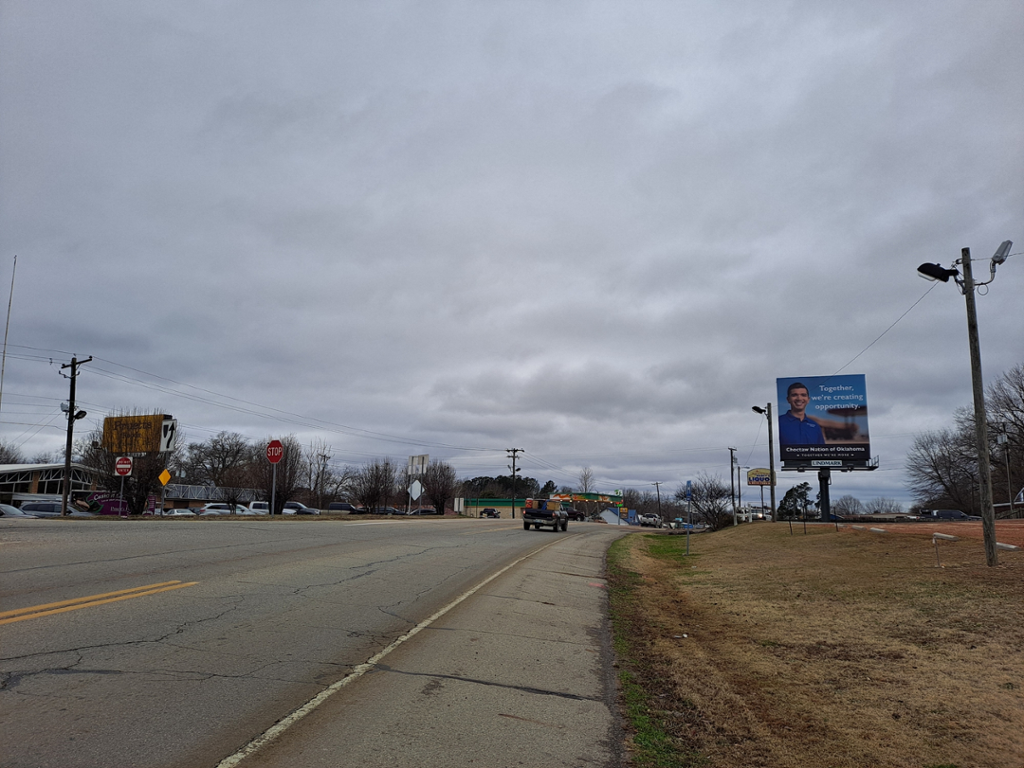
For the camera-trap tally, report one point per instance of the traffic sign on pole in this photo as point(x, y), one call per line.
point(123, 466)
point(275, 451)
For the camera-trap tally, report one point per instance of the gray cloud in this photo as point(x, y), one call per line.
point(594, 231)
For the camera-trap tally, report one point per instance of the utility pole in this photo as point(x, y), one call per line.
point(657, 487)
point(512, 452)
point(767, 411)
point(988, 513)
point(732, 483)
point(73, 416)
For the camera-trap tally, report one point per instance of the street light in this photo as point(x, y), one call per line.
point(967, 285)
point(767, 411)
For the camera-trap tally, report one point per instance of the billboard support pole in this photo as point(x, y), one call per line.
point(771, 459)
point(824, 480)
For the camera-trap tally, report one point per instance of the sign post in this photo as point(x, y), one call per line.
point(122, 468)
point(275, 451)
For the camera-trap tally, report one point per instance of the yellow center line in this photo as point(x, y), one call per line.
point(49, 609)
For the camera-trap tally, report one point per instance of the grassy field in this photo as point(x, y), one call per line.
point(819, 649)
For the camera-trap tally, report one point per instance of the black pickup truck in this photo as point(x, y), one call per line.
point(538, 512)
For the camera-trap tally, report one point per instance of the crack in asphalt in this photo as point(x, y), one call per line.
point(491, 683)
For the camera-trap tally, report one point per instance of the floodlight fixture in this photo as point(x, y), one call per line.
point(80, 415)
point(936, 272)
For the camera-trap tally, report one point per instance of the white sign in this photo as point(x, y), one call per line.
point(168, 432)
point(416, 489)
point(418, 465)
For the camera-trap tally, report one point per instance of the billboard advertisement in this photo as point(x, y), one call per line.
point(136, 435)
point(759, 477)
point(823, 421)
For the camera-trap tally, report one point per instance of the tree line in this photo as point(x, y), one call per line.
point(942, 465)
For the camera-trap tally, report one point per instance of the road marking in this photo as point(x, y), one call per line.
point(272, 733)
point(49, 609)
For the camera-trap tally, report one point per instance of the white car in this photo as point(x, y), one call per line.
point(259, 507)
point(219, 508)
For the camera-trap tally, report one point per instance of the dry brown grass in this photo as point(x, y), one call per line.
point(831, 648)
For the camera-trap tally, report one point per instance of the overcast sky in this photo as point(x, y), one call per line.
point(596, 231)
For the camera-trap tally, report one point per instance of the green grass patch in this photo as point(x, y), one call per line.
point(652, 746)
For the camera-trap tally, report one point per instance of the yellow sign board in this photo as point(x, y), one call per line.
point(165, 477)
point(128, 435)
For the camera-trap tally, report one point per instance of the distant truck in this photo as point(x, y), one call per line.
point(944, 514)
point(545, 512)
point(650, 519)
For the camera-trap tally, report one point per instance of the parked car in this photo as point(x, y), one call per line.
point(179, 513)
point(425, 511)
point(52, 509)
point(380, 511)
point(489, 512)
point(576, 514)
point(13, 513)
point(221, 508)
point(298, 508)
point(342, 506)
point(259, 507)
point(650, 520)
point(940, 514)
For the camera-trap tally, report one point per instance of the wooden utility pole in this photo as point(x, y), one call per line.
point(72, 418)
point(988, 513)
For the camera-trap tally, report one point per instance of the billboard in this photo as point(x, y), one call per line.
point(823, 421)
point(759, 477)
point(135, 435)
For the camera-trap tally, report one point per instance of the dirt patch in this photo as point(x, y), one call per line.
point(829, 648)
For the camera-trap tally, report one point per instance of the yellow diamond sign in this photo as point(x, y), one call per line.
point(165, 477)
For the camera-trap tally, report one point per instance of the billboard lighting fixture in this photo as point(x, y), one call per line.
point(935, 272)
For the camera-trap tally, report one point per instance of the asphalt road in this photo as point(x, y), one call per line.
point(430, 642)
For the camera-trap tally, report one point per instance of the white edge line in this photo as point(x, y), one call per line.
point(287, 722)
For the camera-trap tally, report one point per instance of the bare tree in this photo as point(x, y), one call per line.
point(209, 462)
point(883, 506)
point(319, 476)
point(942, 469)
point(710, 500)
point(11, 454)
point(374, 484)
point(1006, 412)
point(847, 505)
point(440, 483)
point(585, 482)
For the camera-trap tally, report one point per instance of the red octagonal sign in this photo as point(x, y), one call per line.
point(123, 466)
point(275, 451)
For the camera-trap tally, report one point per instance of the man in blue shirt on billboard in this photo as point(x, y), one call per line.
point(795, 428)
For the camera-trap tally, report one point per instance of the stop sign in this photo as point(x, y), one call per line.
point(123, 466)
point(275, 451)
